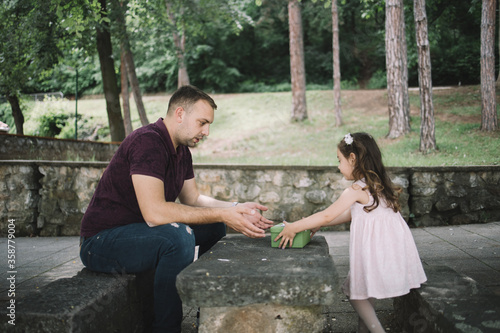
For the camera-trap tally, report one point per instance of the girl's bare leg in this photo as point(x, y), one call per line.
point(368, 321)
point(362, 327)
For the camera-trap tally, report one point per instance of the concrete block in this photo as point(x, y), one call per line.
point(87, 302)
point(248, 283)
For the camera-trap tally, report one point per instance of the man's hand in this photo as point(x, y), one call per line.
point(257, 219)
point(236, 219)
point(196, 208)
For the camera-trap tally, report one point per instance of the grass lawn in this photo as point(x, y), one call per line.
point(255, 128)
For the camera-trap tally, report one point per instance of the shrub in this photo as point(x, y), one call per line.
point(378, 80)
point(48, 118)
point(6, 116)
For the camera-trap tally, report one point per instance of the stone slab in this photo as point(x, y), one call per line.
point(449, 302)
point(240, 271)
point(87, 302)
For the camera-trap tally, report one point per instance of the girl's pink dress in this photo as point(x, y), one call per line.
point(383, 257)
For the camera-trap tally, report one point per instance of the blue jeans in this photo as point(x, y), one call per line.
point(167, 249)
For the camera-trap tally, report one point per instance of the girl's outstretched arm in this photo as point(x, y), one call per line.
point(342, 218)
point(332, 215)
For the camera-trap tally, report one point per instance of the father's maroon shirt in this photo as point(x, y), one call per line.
point(146, 151)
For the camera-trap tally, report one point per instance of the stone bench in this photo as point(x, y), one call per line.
point(447, 303)
point(245, 285)
point(87, 302)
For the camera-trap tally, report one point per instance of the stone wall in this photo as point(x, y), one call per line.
point(454, 195)
point(46, 198)
point(19, 196)
point(290, 192)
point(49, 198)
point(23, 147)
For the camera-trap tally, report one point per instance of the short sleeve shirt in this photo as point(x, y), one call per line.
point(146, 151)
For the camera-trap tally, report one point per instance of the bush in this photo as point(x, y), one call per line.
point(48, 118)
point(378, 80)
point(51, 124)
point(349, 84)
point(6, 116)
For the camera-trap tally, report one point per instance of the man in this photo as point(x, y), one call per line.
point(133, 223)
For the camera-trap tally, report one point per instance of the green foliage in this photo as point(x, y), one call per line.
point(55, 117)
point(51, 124)
point(454, 30)
point(28, 43)
point(214, 74)
point(152, 46)
point(349, 84)
point(230, 45)
point(71, 31)
point(76, 15)
point(378, 80)
point(63, 76)
point(370, 8)
point(6, 116)
point(47, 118)
point(219, 75)
point(250, 86)
point(158, 75)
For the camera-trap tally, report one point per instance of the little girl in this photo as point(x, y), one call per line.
point(383, 258)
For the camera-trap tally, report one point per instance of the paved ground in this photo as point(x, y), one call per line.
point(473, 250)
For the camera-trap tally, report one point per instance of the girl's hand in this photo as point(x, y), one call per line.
point(314, 231)
point(287, 235)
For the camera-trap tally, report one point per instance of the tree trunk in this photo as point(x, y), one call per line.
point(17, 114)
point(134, 84)
point(111, 92)
point(498, 79)
point(297, 67)
point(180, 44)
point(489, 120)
point(397, 88)
point(336, 65)
point(404, 65)
point(127, 122)
point(427, 135)
point(129, 62)
point(183, 76)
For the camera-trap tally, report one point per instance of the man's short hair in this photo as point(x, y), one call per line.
point(186, 96)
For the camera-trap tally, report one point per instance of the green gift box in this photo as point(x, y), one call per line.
point(301, 239)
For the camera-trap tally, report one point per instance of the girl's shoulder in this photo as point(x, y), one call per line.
point(357, 190)
point(360, 182)
point(357, 187)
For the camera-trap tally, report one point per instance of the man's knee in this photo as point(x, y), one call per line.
point(179, 238)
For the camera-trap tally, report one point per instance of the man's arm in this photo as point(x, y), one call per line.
point(191, 196)
point(156, 211)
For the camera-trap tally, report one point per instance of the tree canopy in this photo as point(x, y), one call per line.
point(242, 46)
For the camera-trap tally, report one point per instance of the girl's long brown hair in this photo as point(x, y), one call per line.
point(370, 167)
